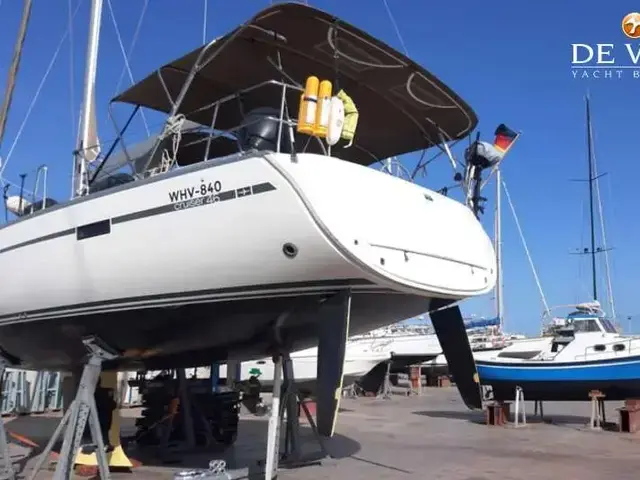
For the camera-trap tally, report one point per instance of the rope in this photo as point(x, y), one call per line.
point(173, 128)
point(127, 67)
point(37, 94)
point(526, 249)
point(395, 27)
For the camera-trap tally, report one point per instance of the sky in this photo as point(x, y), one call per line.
point(512, 64)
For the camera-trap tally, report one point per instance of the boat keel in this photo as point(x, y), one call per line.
point(332, 335)
point(449, 327)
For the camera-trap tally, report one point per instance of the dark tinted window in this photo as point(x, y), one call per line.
point(93, 229)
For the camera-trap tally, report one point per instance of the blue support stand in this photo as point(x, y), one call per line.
point(215, 377)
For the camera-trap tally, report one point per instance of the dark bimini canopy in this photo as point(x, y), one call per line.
point(400, 103)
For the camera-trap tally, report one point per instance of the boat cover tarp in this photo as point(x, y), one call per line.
point(482, 323)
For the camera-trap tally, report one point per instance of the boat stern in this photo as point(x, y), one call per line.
point(407, 235)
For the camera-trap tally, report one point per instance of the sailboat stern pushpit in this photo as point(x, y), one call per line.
point(227, 234)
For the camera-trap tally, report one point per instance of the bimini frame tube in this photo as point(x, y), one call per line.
point(197, 66)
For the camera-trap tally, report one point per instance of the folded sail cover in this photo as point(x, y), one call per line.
point(482, 322)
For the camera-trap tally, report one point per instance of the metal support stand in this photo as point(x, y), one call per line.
point(597, 410)
point(185, 405)
point(519, 409)
point(385, 388)
point(538, 407)
point(287, 412)
point(6, 471)
point(82, 409)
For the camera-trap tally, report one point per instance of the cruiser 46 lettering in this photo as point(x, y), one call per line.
point(189, 193)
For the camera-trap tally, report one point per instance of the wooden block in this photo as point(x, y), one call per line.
point(444, 381)
point(506, 411)
point(632, 403)
point(495, 414)
point(629, 420)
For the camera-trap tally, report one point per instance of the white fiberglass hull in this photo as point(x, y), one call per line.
point(305, 366)
point(211, 242)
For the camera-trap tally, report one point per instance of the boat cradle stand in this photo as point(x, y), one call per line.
point(82, 410)
point(287, 404)
point(598, 417)
point(332, 339)
point(498, 413)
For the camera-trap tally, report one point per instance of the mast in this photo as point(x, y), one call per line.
point(591, 214)
point(498, 248)
point(87, 137)
point(15, 64)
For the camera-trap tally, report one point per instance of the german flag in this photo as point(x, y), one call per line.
point(504, 138)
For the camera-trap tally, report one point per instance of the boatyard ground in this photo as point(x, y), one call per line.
point(432, 436)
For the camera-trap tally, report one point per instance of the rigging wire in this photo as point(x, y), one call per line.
point(581, 288)
point(37, 94)
point(127, 67)
point(204, 23)
point(395, 27)
point(419, 165)
point(526, 248)
point(604, 239)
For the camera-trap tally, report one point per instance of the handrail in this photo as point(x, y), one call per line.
point(590, 350)
point(284, 121)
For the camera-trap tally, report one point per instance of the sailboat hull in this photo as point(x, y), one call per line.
point(196, 264)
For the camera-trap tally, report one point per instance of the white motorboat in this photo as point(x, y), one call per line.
point(407, 344)
point(402, 344)
point(218, 232)
point(357, 363)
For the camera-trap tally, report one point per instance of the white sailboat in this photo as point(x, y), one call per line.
point(217, 233)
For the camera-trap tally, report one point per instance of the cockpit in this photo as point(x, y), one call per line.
point(591, 324)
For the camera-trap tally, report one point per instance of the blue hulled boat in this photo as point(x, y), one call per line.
point(585, 354)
